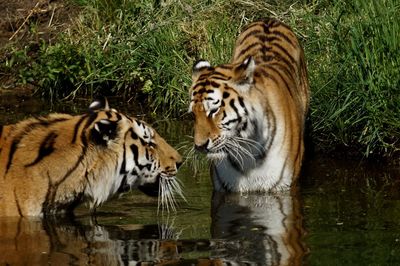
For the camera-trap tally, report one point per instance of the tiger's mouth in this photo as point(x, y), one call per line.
point(154, 189)
point(166, 187)
point(151, 189)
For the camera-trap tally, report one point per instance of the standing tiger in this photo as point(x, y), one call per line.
point(51, 164)
point(250, 114)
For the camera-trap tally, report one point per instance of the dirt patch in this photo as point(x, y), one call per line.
point(26, 23)
point(23, 21)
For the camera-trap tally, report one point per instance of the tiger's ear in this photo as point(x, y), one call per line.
point(244, 73)
point(199, 67)
point(100, 103)
point(103, 131)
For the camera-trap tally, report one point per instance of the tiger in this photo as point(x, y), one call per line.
point(51, 164)
point(249, 114)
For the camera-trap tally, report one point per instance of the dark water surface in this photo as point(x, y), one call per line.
point(344, 213)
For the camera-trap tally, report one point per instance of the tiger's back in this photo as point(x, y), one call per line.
point(250, 113)
point(276, 49)
point(26, 174)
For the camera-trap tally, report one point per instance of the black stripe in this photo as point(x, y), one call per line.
point(224, 67)
point(203, 76)
point(271, 128)
point(135, 151)
point(266, 26)
point(281, 174)
point(232, 104)
point(265, 74)
point(133, 134)
point(284, 36)
point(230, 121)
point(283, 79)
point(25, 131)
point(267, 58)
point(241, 102)
point(223, 115)
point(244, 127)
point(109, 114)
point(1, 130)
point(142, 166)
point(221, 77)
point(253, 32)
point(119, 117)
point(217, 73)
point(17, 203)
point(215, 84)
point(279, 58)
point(286, 52)
point(285, 65)
point(13, 148)
point(48, 203)
point(201, 84)
point(267, 39)
point(142, 142)
point(213, 112)
point(285, 70)
point(76, 128)
point(272, 23)
point(88, 123)
point(248, 48)
point(123, 164)
point(45, 149)
point(266, 49)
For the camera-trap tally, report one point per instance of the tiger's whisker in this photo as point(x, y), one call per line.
point(251, 143)
point(236, 155)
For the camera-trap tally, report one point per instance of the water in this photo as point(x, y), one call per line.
point(343, 213)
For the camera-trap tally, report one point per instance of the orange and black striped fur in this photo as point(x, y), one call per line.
point(250, 113)
point(51, 164)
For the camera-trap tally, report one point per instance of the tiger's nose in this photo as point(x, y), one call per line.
point(202, 147)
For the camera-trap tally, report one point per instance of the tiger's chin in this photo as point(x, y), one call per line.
point(216, 156)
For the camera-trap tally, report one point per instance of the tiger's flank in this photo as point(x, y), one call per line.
point(49, 165)
point(249, 114)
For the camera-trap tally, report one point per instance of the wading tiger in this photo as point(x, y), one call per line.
point(51, 164)
point(249, 114)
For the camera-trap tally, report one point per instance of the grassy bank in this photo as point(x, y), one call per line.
point(145, 50)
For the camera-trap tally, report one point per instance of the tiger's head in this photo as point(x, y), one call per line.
point(146, 160)
point(225, 105)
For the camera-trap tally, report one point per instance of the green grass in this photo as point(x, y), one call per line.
point(145, 49)
point(354, 66)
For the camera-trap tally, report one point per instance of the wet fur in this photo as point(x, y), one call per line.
point(53, 163)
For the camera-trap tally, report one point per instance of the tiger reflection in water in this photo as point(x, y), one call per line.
point(245, 230)
point(262, 228)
